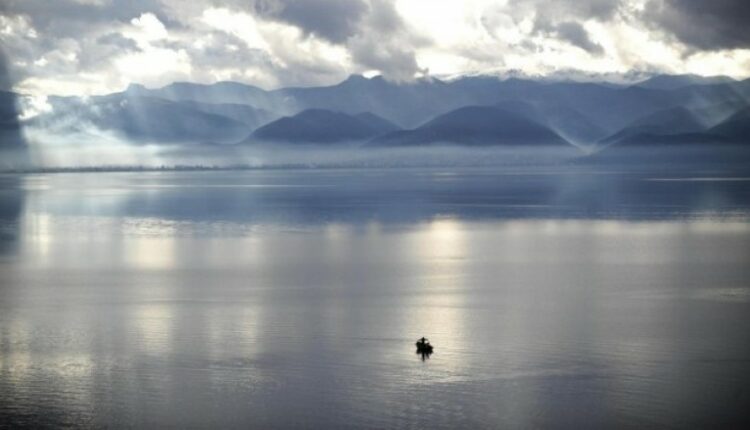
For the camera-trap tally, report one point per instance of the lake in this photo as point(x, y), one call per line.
point(565, 297)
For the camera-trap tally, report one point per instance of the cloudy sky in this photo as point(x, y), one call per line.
point(99, 46)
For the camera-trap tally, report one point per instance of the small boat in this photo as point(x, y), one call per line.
point(423, 346)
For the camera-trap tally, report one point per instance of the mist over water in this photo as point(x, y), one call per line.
point(554, 297)
point(104, 150)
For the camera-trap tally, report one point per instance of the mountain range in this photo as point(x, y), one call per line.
point(469, 111)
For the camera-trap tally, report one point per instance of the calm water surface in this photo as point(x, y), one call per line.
point(272, 299)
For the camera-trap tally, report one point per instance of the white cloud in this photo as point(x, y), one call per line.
point(32, 106)
point(243, 25)
point(153, 66)
point(95, 46)
point(147, 28)
point(153, 63)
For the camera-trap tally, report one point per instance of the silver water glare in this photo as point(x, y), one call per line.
point(227, 298)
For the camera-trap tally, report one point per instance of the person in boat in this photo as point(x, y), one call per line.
point(423, 343)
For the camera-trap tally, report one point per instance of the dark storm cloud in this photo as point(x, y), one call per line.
point(68, 18)
point(552, 10)
point(118, 41)
point(562, 19)
point(333, 20)
point(573, 33)
point(373, 31)
point(702, 24)
point(386, 44)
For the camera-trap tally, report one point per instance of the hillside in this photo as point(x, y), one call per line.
point(736, 128)
point(475, 126)
point(323, 126)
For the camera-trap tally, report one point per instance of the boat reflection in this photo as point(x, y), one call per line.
point(424, 349)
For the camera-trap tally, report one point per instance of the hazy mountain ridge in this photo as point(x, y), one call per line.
point(681, 125)
point(671, 82)
point(142, 119)
point(587, 114)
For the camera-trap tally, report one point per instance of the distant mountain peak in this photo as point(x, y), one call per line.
point(672, 82)
point(136, 88)
point(359, 80)
point(355, 79)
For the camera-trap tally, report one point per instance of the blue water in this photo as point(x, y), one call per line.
point(556, 297)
